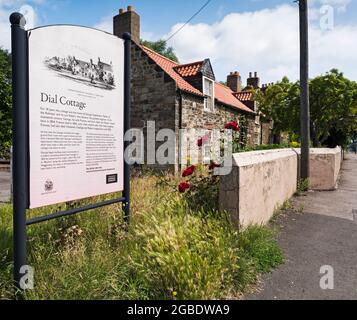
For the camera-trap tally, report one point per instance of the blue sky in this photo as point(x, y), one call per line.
point(250, 35)
point(158, 16)
point(89, 12)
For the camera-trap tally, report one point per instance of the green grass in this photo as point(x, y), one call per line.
point(169, 252)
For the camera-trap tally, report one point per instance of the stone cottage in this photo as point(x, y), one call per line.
point(178, 96)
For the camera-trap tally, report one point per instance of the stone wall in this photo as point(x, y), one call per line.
point(194, 115)
point(325, 165)
point(266, 132)
point(254, 132)
point(261, 181)
point(153, 96)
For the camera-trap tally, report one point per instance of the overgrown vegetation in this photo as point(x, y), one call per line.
point(5, 104)
point(170, 251)
point(303, 186)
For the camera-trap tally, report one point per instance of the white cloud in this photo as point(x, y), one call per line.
point(9, 6)
point(106, 24)
point(267, 41)
point(30, 15)
point(340, 5)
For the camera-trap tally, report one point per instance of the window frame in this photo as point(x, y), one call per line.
point(205, 106)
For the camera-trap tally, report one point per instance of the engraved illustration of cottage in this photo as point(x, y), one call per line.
point(100, 74)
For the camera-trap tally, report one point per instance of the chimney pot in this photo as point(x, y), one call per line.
point(234, 81)
point(127, 22)
point(253, 81)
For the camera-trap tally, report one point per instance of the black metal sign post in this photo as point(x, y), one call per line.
point(304, 83)
point(127, 107)
point(19, 46)
point(21, 159)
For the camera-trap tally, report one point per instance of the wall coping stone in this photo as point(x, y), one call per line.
point(256, 157)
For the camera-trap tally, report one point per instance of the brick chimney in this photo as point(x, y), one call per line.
point(234, 81)
point(253, 81)
point(127, 21)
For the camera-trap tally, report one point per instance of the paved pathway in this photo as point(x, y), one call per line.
point(4, 186)
point(319, 231)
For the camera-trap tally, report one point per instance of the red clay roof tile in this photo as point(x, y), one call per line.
point(225, 95)
point(244, 95)
point(189, 70)
point(168, 66)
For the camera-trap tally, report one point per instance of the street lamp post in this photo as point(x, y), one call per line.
point(304, 83)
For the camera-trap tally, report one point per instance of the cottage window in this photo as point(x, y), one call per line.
point(208, 91)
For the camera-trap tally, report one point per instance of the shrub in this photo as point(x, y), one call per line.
point(203, 194)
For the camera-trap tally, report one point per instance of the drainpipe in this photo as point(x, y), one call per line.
point(180, 108)
point(180, 127)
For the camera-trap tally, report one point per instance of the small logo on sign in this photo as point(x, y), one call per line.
point(112, 178)
point(49, 185)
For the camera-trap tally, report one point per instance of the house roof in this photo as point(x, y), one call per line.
point(225, 95)
point(168, 66)
point(190, 69)
point(178, 71)
point(244, 95)
point(105, 66)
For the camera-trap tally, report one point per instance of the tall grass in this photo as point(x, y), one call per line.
point(169, 252)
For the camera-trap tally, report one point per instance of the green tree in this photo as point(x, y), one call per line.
point(5, 103)
point(280, 103)
point(333, 104)
point(161, 47)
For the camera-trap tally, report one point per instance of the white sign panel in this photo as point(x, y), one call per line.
point(76, 86)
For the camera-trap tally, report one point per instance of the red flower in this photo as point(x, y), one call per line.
point(233, 125)
point(188, 171)
point(201, 141)
point(214, 165)
point(184, 186)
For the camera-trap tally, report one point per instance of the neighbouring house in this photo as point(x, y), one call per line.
point(106, 71)
point(178, 96)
